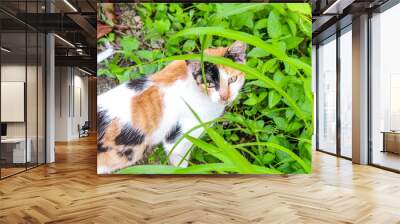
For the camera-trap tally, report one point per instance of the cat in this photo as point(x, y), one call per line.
point(151, 110)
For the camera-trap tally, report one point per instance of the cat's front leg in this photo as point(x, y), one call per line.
point(177, 156)
point(180, 155)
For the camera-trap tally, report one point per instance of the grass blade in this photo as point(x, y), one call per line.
point(234, 156)
point(247, 38)
point(148, 169)
point(222, 167)
point(241, 9)
point(210, 149)
point(306, 167)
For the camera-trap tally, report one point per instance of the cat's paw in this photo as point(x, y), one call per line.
point(176, 161)
point(104, 170)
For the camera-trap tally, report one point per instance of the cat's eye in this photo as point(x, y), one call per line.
point(232, 79)
point(210, 85)
point(198, 79)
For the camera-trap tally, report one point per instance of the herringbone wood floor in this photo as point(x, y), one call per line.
point(69, 191)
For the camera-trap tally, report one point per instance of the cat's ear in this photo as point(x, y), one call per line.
point(237, 51)
point(193, 65)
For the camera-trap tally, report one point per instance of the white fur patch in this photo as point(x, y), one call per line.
point(117, 102)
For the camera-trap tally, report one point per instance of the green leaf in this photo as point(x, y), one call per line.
point(262, 96)
point(273, 99)
point(305, 26)
point(257, 53)
point(148, 55)
point(238, 9)
point(148, 169)
point(234, 137)
point(129, 44)
point(189, 45)
point(289, 114)
point(306, 167)
point(260, 24)
point(220, 167)
point(303, 8)
point(198, 155)
point(244, 19)
point(162, 26)
point(149, 69)
point(268, 158)
point(274, 25)
point(270, 65)
point(202, 7)
point(209, 148)
point(294, 126)
point(258, 83)
point(279, 8)
point(293, 42)
point(252, 100)
point(292, 27)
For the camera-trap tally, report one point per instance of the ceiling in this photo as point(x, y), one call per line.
point(332, 15)
point(74, 22)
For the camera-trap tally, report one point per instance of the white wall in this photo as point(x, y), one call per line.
point(62, 81)
point(71, 94)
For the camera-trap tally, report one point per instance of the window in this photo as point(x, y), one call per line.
point(327, 96)
point(346, 93)
point(385, 89)
point(22, 77)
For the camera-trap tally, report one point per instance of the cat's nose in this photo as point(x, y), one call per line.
point(224, 97)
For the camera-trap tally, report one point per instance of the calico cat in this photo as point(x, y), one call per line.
point(151, 110)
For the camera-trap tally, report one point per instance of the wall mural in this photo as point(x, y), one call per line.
point(216, 88)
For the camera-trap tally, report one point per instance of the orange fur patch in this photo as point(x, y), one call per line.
point(171, 73)
point(224, 90)
point(112, 131)
point(231, 71)
point(220, 51)
point(147, 110)
point(111, 159)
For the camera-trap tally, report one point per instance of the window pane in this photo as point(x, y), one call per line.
point(327, 96)
point(14, 153)
point(31, 99)
point(41, 99)
point(346, 94)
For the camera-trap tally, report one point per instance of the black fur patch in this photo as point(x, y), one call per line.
point(129, 136)
point(103, 120)
point(128, 154)
point(211, 74)
point(173, 134)
point(101, 149)
point(230, 56)
point(137, 84)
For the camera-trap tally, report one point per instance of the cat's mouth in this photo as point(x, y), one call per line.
point(226, 102)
